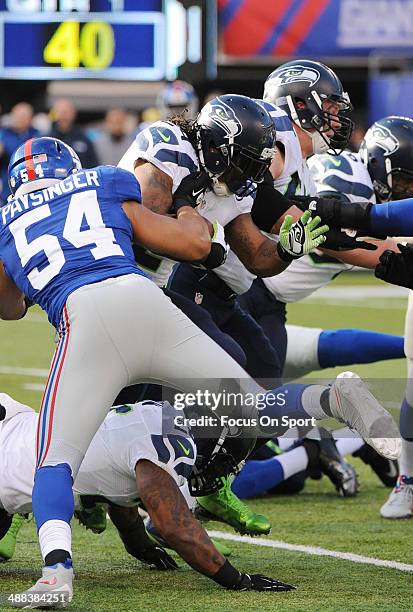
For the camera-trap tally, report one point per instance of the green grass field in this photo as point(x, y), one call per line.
point(108, 579)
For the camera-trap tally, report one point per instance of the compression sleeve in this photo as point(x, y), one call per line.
point(392, 218)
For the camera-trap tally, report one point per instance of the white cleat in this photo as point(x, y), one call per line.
point(400, 502)
point(351, 402)
point(54, 590)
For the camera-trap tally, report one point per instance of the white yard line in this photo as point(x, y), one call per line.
point(37, 372)
point(312, 550)
point(33, 387)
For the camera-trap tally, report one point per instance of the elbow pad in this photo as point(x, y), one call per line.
point(219, 248)
point(269, 205)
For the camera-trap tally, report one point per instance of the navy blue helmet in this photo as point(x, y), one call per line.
point(313, 97)
point(387, 151)
point(235, 139)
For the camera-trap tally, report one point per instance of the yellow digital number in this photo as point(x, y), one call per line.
point(97, 44)
point(93, 45)
point(63, 47)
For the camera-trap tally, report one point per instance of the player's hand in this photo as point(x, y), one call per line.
point(396, 268)
point(191, 187)
point(339, 240)
point(299, 238)
point(219, 248)
point(339, 214)
point(157, 557)
point(258, 582)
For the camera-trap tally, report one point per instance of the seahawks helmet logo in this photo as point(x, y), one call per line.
point(296, 74)
point(223, 115)
point(382, 137)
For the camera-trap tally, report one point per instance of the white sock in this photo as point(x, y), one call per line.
point(347, 446)
point(55, 535)
point(311, 401)
point(406, 459)
point(288, 438)
point(293, 461)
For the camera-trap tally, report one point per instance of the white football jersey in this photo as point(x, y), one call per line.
point(128, 434)
point(345, 174)
point(295, 179)
point(167, 147)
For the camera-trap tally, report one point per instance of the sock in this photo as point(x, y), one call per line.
point(313, 402)
point(55, 536)
point(294, 401)
point(293, 461)
point(53, 507)
point(348, 346)
point(256, 477)
point(348, 446)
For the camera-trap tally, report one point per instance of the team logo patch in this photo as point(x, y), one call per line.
point(221, 114)
point(383, 138)
point(198, 298)
point(296, 74)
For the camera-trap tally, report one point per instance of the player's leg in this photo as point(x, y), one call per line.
point(400, 503)
point(270, 314)
point(311, 349)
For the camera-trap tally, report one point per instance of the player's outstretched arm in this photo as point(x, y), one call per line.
point(136, 540)
point(12, 304)
point(173, 519)
point(186, 238)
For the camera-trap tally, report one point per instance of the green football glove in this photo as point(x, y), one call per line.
point(299, 238)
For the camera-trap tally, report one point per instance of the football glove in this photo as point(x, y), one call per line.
point(191, 187)
point(157, 557)
point(396, 268)
point(258, 582)
point(299, 238)
point(353, 215)
point(339, 240)
point(219, 248)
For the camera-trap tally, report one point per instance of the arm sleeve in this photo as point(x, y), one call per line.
point(393, 218)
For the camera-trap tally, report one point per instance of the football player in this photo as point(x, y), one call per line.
point(137, 455)
point(310, 119)
point(65, 240)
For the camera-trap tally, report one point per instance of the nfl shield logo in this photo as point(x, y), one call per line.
point(198, 298)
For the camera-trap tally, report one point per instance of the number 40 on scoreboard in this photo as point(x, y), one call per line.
point(126, 45)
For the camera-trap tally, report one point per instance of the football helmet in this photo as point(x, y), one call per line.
point(387, 151)
point(221, 450)
point(39, 162)
point(235, 139)
point(176, 97)
point(313, 97)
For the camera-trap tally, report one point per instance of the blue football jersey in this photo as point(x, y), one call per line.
point(71, 234)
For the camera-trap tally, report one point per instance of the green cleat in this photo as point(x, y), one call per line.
point(226, 507)
point(8, 541)
point(93, 517)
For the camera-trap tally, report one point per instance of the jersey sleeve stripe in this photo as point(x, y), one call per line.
point(176, 157)
point(349, 187)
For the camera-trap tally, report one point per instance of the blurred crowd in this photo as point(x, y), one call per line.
point(100, 142)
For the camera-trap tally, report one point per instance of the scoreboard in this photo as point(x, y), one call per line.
point(91, 45)
point(104, 39)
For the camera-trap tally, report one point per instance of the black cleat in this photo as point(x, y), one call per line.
point(386, 469)
point(324, 456)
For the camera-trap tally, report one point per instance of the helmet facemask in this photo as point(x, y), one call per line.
point(314, 116)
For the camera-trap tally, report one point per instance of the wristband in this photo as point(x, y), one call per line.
point(227, 576)
point(282, 254)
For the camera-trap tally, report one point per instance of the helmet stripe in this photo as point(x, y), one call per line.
point(28, 158)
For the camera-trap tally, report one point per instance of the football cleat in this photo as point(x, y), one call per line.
point(93, 517)
point(400, 502)
point(224, 506)
point(8, 541)
point(352, 403)
point(324, 457)
point(54, 590)
point(386, 469)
